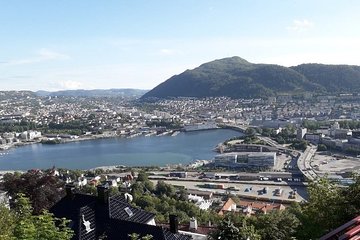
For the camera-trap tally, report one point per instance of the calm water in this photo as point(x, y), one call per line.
point(138, 151)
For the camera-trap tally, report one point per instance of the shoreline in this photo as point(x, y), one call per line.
point(6, 147)
point(106, 135)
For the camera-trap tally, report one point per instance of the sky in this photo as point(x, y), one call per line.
point(91, 44)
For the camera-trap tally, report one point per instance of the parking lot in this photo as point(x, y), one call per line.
point(248, 189)
point(327, 163)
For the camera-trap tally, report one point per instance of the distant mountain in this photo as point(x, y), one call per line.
point(95, 93)
point(235, 77)
point(335, 78)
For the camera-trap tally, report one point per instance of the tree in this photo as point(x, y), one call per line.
point(163, 188)
point(35, 227)
point(250, 132)
point(42, 189)
point(7, 223)
point(352, 197)
point(142, 176)
point(227, 230)
point(276, 225)
point(325, 210)
point(249, 232)
point(322, 147)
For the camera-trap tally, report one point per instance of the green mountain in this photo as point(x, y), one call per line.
point(335, 78)
point(238, 78)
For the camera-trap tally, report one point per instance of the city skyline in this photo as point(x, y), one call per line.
point(119, 44)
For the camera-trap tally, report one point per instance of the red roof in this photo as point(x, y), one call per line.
point(348, 231)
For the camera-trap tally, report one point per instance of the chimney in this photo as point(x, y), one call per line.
point(193, 224)
point(103, 193)
point(69, 189)
point(174, 223)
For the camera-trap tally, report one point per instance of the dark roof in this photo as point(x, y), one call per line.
point(115, 217)
point(68, 207)
point(204, 230)
point(120, 229)
point(120, 209)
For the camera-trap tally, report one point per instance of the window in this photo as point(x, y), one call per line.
point(128, 211)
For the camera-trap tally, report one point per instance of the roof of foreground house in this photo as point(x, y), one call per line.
point(93, 216)
point(347, 231)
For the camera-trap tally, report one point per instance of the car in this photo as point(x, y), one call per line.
point(232, 189)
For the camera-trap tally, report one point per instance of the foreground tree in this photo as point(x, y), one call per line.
point(42, 189)
point(276, 225)
point(7, 223)
point(227, 230)
point(20, 223)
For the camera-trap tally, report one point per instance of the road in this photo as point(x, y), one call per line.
point(304, 163)
point(304, 158)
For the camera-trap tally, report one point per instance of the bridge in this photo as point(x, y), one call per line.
point(236, 127)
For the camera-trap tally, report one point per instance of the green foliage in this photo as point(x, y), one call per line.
point(329, 206)
point(163, 188)
point(276, 225)
point(268, 132)
point(227, 229)
point(322, 147)
point(7, 223)
point(312, 125)
point(136, 236)
point(18, 127)
point(333, 78)
point(172, 124)
point(42, 189)
point(349, 124)
point(250, 132)
point(299, 144)
point(164, 200)
point(89, 189)
point(142, 176)
point(20, 224)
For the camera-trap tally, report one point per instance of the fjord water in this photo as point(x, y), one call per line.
point(138, 151)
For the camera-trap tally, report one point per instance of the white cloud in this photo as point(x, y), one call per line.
point(47, 54)
point(70, 84)
point(42, 55)
point(300, 25)
point(169, 52)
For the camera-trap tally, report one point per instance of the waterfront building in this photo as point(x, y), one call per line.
point(246, 159)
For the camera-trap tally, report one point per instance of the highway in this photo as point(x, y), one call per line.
point(304, 158)
point(304, 163)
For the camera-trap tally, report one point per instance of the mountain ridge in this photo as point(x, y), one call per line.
point(236, 77)
point(114, 92)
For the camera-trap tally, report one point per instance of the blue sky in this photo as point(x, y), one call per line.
point(88, 44)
